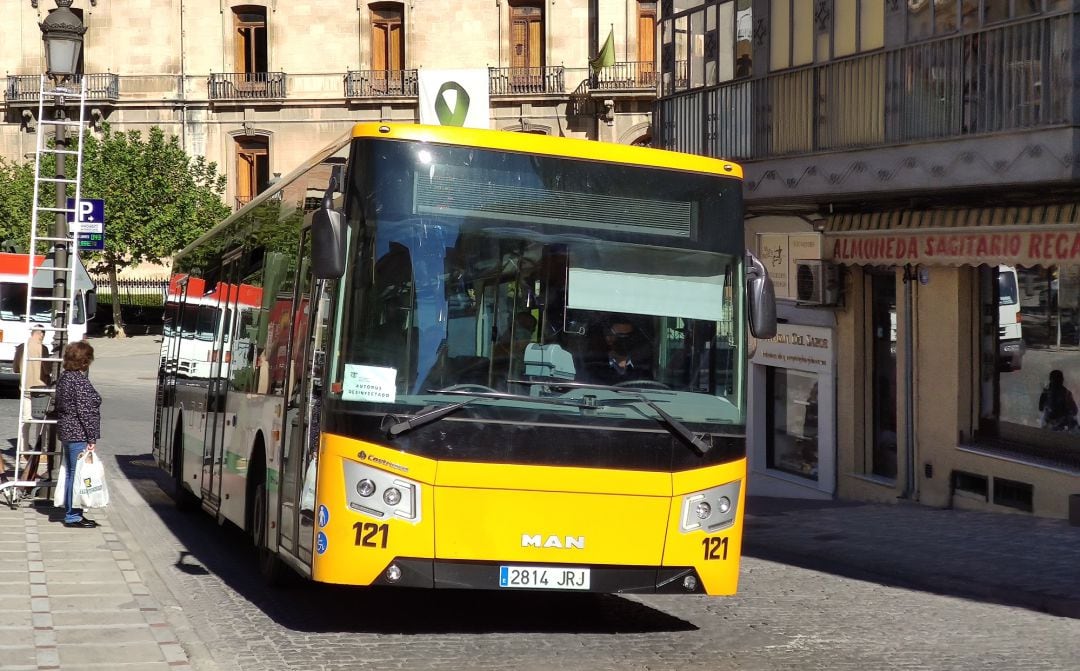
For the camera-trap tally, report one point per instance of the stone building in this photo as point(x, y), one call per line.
point(258, 87)
point(911, 180)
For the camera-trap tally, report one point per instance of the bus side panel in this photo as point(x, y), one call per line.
point(714, 555)
point(356, 547)
point(254, 414)
point(191, 404)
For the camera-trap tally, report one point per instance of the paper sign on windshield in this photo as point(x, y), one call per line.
point(373, 384)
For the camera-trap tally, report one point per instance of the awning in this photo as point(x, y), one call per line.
point(1026, 236)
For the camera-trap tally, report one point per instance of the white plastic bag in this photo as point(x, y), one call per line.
point(61, 485)
point(90, 490)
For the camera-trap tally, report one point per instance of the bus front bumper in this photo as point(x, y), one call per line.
point(448, 574)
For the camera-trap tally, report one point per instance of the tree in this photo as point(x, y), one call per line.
point(157, 198)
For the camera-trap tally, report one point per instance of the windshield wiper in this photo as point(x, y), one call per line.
point(673, 425)
point(426, 418)
point(435, 415)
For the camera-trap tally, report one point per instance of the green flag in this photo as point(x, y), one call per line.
point(606, 56)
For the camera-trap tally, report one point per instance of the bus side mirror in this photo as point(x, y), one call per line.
point(761, 299)
point(327, 244)
point(91, 304)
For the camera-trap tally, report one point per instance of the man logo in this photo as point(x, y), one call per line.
point(562, 543)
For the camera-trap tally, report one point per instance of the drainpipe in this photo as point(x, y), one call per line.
point(183, 83)
point(909, 384)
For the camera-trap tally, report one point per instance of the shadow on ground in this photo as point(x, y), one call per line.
point(227, 553)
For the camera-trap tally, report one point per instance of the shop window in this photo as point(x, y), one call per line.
point(792, 422)
point(1037, 358)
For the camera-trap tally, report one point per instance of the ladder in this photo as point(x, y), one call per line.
point(28, 449)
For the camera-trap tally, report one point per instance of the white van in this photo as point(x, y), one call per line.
point(1010, 336)
point(13, 289)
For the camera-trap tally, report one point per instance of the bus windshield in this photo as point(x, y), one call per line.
point(514, 276)
point(13, 303)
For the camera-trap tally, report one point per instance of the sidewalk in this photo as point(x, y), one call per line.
point(81, 599)
point(997, 557)
point(75, 599)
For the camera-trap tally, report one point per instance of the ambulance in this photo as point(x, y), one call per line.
point(13, 289)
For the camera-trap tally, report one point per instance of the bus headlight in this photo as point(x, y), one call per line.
point(400, 496)
point(710, 510)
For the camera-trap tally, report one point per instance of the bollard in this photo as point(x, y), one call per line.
point(1074, 510)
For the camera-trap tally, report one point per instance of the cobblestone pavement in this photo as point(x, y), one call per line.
point(789, 614)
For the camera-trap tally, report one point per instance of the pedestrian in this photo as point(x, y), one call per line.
point(38, 374)
point(1057, 407)
point(78, 421)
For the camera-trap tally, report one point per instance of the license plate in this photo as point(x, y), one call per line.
point(543, 577)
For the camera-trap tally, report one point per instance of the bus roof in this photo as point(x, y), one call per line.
point(547, 145)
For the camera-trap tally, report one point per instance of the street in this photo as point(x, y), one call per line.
point(784, 616)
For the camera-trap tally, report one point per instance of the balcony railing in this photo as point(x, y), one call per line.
point(99, 87)
point(247, 86)
point(625, 77)
point(1008, 78)
point(380, 83)
point(525, 81)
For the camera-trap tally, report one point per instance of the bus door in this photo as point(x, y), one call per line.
point(217, 392)
point(311, 309)
point(166, 396)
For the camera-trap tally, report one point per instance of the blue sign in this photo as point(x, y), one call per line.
point(320, 542)
point(90, 224)
point(324, 516)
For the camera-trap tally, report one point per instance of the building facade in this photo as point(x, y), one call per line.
point(912, 183)
point(258, 87)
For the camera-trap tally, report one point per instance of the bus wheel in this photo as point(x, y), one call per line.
point(184, 500)
point(271, 567)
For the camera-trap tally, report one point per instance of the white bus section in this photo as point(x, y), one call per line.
point(14, 325)
point(195, 327)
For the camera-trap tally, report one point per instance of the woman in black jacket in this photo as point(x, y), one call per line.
point(78, 420)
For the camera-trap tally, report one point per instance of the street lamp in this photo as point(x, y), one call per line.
point(62, 31)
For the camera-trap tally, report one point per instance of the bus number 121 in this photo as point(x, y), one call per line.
point(366, 532)
point(715, 548)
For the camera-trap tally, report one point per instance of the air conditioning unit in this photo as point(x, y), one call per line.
point(817, 282)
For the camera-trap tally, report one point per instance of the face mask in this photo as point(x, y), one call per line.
point(522, 333)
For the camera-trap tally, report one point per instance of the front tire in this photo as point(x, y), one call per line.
point(271, 568)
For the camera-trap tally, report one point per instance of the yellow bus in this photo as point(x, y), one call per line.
point(457, 358)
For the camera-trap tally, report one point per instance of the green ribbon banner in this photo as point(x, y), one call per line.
point(456, 117)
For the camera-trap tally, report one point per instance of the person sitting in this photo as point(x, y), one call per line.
point(627, 357)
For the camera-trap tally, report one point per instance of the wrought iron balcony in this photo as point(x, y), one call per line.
point(526, 81)
point(100, 87)
point(629, 76)
point(1012, 77)
point(247, 86)
point(380, 83)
